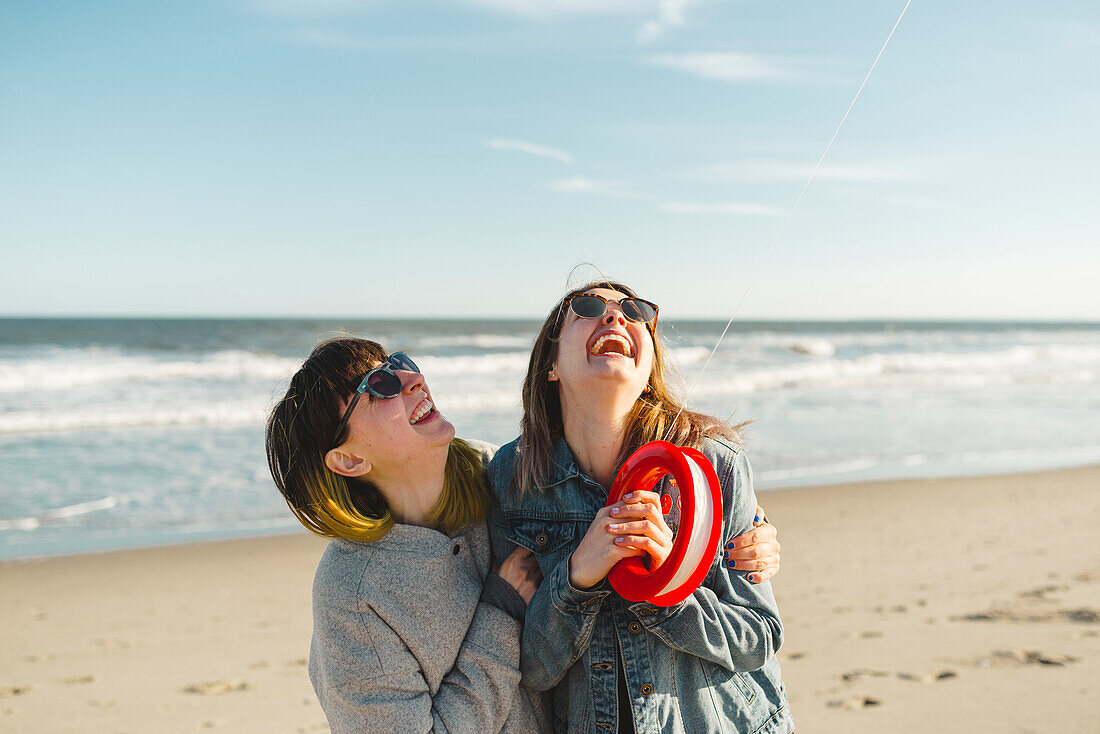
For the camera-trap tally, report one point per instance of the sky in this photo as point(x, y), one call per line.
point(461, 158)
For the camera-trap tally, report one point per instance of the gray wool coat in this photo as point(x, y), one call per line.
point(403, 643)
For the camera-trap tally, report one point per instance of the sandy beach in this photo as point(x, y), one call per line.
point(948, 605)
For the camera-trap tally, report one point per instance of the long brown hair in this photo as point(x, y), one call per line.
point(654, 415)
point(300, 433)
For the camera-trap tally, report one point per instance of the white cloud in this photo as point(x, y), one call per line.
point(727, 207)
point(544, 8)
point(920, 203)
point(522, 146)
point(617, 190)
point(323, 38)
point(596, 187)
point(311, 7)
point(1079, 34)
point(729, 67)
point(755, 171)
point(670, 15)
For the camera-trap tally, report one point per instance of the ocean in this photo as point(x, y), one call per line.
point(134, 432)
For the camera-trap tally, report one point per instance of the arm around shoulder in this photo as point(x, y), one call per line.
point(368, 678)
point(727, 620)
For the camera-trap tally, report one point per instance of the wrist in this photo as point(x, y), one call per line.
point(576, 580)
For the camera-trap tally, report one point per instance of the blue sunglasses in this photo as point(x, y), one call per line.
point(381, 382)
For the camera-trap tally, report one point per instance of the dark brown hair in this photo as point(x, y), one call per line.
point(300, 433)
point(654, 415)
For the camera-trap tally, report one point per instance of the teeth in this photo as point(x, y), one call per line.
point(598, 347)
point(422, 410)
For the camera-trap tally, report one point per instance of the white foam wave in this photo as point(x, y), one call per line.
point(934, 369)
point(689, 356)
point(214, 414)
point(488, 401)
point(812, 347)
point(60, 513)
point(801, 472)
point(484, 341)
point(901, 338)
point(474, 364)
point(1015, 459)
point(84, 367)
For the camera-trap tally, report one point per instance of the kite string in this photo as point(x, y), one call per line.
point(786, 221)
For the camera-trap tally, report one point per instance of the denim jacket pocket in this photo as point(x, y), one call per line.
point(539, 535)
point(744, 687)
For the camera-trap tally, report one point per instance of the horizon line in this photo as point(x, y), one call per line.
point(387, 317)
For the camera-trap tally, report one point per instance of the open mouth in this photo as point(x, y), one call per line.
point(425, 410)
point(610, 343)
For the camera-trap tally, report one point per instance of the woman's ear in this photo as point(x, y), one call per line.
point(346, 464)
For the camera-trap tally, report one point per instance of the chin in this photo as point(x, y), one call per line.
point(446, 429)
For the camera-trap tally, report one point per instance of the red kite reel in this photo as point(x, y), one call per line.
point(700, 523)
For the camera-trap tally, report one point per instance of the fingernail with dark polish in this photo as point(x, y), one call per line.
point(756, 518)
point(751, 577)
point(733, 564)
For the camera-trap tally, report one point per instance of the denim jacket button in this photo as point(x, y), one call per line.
point(541, 539)
point(646, 689)
point(634, 628)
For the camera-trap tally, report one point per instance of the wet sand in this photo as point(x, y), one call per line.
point(950, 605)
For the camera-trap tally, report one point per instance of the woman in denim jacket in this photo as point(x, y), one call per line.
point(595, 391)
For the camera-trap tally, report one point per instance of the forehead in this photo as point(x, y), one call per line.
point(606, 293)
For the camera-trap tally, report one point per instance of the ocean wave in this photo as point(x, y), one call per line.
point(1015, 365)
point(213, 414)
point(801, 472)
point(689, 356)
point(482, 341)
point(813, 347)
point(60, 513)
point(1015, 459)
point(482, 401)
point(216, 414)
point(84, 367)
point(900, 339)
point(474, 364)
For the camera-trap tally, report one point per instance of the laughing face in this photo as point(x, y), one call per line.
point(394, 434)
point(609, 352)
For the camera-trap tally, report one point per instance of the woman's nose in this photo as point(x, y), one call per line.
point(411, 381)
point(614, 315)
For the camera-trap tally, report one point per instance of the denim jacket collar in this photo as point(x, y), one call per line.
point(563, 466)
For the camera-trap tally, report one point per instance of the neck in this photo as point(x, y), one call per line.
point(595, 426)
point(413, 491)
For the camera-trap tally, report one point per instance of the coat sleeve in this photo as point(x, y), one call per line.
point(727, 620)
point(368, 680)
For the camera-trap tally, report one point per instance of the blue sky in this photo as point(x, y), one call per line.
point(460, 157)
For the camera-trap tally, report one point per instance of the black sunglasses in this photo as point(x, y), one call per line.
point(591, 306)
point(381, 382)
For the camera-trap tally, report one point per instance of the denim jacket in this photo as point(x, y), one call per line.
point(706, 664)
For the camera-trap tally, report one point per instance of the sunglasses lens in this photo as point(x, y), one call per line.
point(401, 361)
point(384, 383)
point(636, 309)
point(588, 307)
